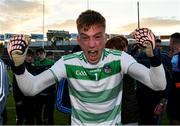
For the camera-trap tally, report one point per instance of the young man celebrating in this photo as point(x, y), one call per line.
point(94, 74)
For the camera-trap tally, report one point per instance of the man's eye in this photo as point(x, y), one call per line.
point(98, 37)
point(84, 38)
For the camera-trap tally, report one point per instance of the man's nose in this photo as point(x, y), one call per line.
point(92, 43)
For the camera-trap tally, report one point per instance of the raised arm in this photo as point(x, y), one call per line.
point(29, 84)
point(155, 76)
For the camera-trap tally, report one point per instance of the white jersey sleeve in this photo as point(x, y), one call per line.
point(126, 61)
point(32, 85)
point(153, 77)
point(59, 69)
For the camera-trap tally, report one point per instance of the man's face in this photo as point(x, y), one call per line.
point(158, 45)
point(41, 55)
point(29, 58)
point(174, 47)
point(92, 42)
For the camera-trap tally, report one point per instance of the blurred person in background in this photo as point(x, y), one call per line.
point(45, 100)
point(173, 106)
point(25, 105)
point(153, 103)
point(4, 91)
point(50, 55)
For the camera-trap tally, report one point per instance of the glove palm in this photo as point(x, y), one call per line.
point(17, 48)
point(146, 39)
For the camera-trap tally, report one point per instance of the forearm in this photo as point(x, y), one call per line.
point(157, 77)
point(153, 77)
point(31, 85)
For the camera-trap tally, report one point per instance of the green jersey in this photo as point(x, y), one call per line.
point(95, 90)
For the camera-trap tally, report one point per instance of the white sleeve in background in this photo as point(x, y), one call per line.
point(31, 85)
point(153, 77)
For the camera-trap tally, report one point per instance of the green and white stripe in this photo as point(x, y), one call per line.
point(96, 86)
point(99, 108)
point(95, 90)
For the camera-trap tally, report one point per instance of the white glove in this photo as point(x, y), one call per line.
point(17, 48)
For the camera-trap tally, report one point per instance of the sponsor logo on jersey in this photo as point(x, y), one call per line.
point(80, 73)
point(95, 71)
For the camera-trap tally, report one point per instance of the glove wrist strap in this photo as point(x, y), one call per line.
point(155, 61)
point(18, 70)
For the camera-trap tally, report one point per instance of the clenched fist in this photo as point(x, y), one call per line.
point(141, 35)
point(145, 38)
point(17, 48)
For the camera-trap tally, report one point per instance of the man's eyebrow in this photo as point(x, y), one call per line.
point(93, 35)
point(99, 33)
point(83, 34)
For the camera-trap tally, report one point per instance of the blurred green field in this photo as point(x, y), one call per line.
point(59, 118)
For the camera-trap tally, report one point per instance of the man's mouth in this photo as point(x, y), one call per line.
point(92, 53)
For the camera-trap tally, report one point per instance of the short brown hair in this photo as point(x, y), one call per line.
point(88, 18)
point(30, 52)
point(40, 50)
point(118, 42)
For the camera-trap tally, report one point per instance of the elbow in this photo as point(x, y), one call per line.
point(164, 86)
point(29, 93)
point(158, 79)
point(160, 86)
